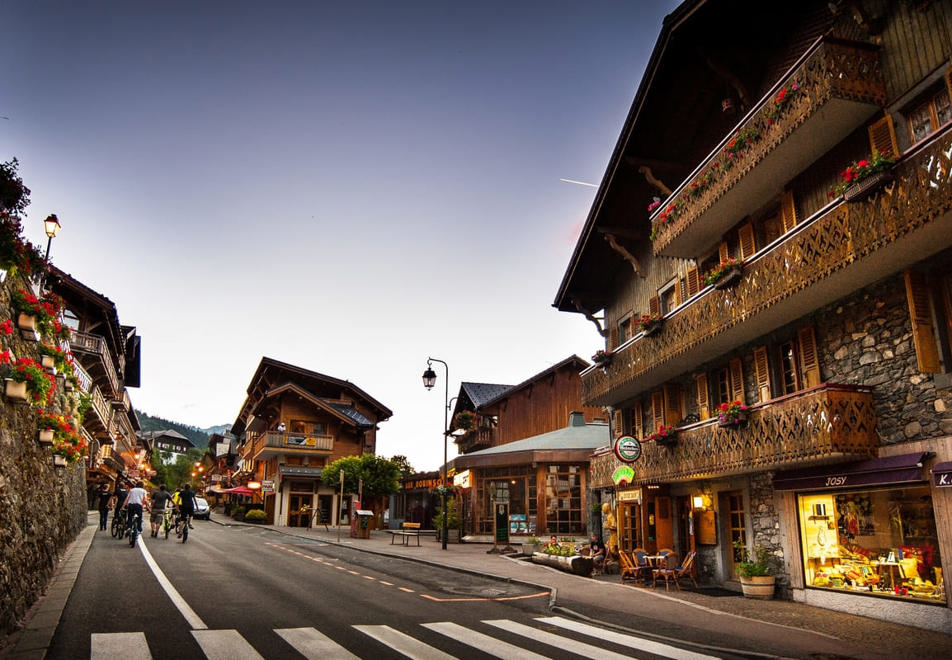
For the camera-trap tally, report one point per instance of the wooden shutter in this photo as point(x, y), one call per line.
point(678, 292)
point(882, 137)
point(723, 251)
point(613, 338)
point(672, 405)
point(618, 421)
point(703, 397)
point(762, 372)
point(920, 313)
point(637, 421)
point(693, 279)
point(657, 410)
point(788, 211)
point(809, 360)
point(737, 380)
point(654, 305)
point(745, 234)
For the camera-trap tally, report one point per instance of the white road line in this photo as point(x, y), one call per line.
point(312, 644)
point(631, 641)
point(557, 641)
point(398, 641)
point(490, 645)
point(128, 646)
point(225, 645)
point(193, 619)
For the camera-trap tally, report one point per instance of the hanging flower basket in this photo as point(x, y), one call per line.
point(14, 390)
point(664, 436)
point(729, 278)
point(731, 414)
point(602, 358)
point(863, 177)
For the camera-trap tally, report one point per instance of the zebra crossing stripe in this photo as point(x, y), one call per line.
point(631, 641)
point(225, 645)
point(402, 643)
point(313, 644)
point(129, 646)
point(490, 645)
point(551, 639)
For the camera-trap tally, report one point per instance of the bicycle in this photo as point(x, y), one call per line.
point(118, 528)
point(134, 530)
point(167, 524)
point(182, 525)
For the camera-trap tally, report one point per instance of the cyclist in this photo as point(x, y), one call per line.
point(186, 508)
point(119, 496)
point(135, 499)
point(161, 499)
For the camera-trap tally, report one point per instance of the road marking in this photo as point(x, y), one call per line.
point(402, 643)
point(225, 645)
point(389, 584)
point(193, 619)
point(312, 644)
point(129, 646)
point(485, 643)
point(409, 591)
point(484, 598)
point(557, 641)
point(631, 641)
point(369, 577)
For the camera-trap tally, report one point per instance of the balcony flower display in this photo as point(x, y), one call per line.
point(602, 357)
point(860, 170)
point(724, 274)
point(465, 420)
point(664, 435)
point(775, 109)
point(40, 385)
point(737, 146)
point(731, 414)
point(664, 218)
point(649, 323)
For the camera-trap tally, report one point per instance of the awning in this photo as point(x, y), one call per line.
point(239, 490)
point(299, 471)
point(877, 471)
point(942, 474)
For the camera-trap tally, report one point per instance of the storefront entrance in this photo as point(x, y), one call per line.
point(298, 516)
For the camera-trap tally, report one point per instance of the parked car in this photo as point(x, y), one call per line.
point(202, 509)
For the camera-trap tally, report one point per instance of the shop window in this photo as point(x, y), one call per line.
point(930, 113)
point(872, 542)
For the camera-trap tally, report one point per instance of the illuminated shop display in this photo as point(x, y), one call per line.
point(876, 542)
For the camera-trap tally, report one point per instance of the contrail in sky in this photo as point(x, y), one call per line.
point(581, 183)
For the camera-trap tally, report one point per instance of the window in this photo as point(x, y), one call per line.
point(795, 366)
point(624, 329)
point(930, 311)
point(670, 296)
point(930, 114)
point(730, 383)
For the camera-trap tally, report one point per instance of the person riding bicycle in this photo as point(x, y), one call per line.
point(186, 507)
point(135, 499)
point(161, 499)
point(119, 497)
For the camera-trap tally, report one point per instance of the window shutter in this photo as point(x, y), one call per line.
point(920, 313)
point(672, 405)
point(703, 397)
point(613, 338)
point(678, 292)
point(746, 236)
point(723, 251)
point(618, 421)
point(882, 136)
point(657, 410)
point(637, 422)
point(737, 380)
point(693, 281)
point(762, 372)
point(788, 211)
point(809, 360)
point(654, 305)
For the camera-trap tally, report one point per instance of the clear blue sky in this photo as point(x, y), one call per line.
point(350, 187)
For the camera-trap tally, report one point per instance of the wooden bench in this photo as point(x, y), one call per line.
point(407, 531)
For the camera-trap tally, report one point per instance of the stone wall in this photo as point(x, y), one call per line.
point(42, 508)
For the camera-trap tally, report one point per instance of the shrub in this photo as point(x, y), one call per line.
point(255, 516)
point(238, 512)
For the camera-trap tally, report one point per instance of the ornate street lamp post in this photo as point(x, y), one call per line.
point(429, 380)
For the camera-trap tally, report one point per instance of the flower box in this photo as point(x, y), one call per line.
point(729, 279)
point(59, 461)
point(45, 436)
point(15, 390)
point(48, 362)
point(865, 187)
point(652, 329)
point(739, 420)
point(28, 328)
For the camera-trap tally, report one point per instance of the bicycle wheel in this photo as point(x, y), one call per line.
point(133, 532)
point(114, 528)
point(166, 525)
point(185, 530)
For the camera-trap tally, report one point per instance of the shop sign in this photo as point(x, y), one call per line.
point(463, 479)
point(633, 495)
point(267, 486)
point(627, 449)
point(623, 475)
point(942, 475)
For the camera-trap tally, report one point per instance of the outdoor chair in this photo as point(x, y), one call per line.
point(684, 570)
point(640, 555)
point(629, 570)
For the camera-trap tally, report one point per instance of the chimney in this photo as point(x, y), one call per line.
point(576, 418)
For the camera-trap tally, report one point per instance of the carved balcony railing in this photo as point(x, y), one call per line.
point(276, 442)
point(481, 438)
point(824, 424)
point(84, 343)
point(840, 249)
point(833, 89)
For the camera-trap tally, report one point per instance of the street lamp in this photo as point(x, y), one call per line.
point(429, 381)
point(51, 226)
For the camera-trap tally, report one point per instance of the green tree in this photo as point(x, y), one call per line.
point(405, 468)
point(378, 477)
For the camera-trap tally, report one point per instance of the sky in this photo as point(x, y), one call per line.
point(350, 187)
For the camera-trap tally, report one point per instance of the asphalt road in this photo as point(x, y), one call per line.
point(247, 592)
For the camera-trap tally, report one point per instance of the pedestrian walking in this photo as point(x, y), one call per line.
point(104, 499)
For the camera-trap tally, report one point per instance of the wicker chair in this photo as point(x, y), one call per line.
point(684, 570)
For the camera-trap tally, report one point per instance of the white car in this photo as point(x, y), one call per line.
point(202, 510)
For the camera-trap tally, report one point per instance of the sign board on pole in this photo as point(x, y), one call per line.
point(267, 485)
point(502, 522)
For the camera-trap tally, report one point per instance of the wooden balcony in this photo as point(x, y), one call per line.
point(825, 424)
point(273, 443)
point(839, 87)
point(92, 351)
point(841, 248)
point(481, 438)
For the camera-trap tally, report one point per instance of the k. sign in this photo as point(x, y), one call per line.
point(942, 475)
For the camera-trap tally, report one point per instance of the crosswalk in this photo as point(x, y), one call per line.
point(311, 643)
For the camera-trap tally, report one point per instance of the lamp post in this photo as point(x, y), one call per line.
point(429, 380)
point(51, 226)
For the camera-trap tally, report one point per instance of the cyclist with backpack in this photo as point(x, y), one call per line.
point(186, 509)
point(161, 499)
point(134, 503)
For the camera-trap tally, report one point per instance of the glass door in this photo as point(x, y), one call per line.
point(737, 530)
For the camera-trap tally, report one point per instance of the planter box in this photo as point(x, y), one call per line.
point(45, 436)
point(729, 279)
point(529, 549)
point(15, 390)
point(733, 423)
point(48, 363)
point(27, 327)
point(59, 461)
point(860, 191)
point(574, 564)
point(761, 587)
point(652, 329)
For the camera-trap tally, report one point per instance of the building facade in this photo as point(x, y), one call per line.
point(774, 230)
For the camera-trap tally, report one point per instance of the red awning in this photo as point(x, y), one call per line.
point(239, 490)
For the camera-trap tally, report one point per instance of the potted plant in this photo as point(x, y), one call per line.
point(863, 177)
point(754, 571)
point(731, 414)
point(39, 384)
point(532, 545)
point(725, 274)
point(665, 435)
point(465, 420)
point(649, 323)
point(602, 358)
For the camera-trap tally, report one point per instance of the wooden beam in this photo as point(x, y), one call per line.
point(628, 256)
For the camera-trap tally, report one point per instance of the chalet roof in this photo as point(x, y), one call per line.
point(571, 361)
point(167, 434)
point(482, 393)
point(353, 413)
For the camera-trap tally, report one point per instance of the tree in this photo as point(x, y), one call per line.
point(377, 477)
point(405, 468)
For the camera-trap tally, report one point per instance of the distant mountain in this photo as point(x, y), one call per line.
point(196, 436)
point(220, 429)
